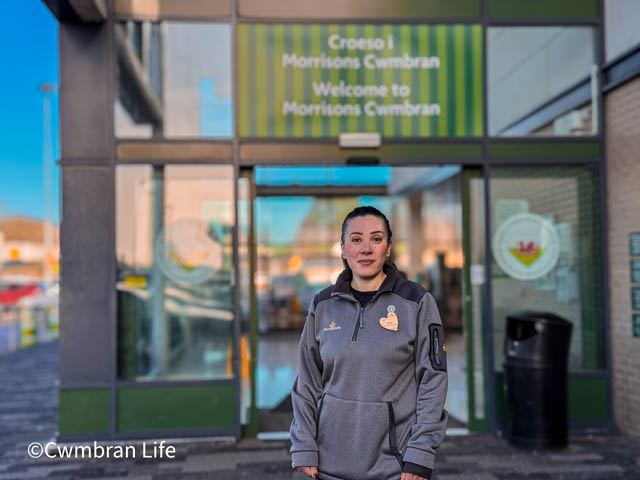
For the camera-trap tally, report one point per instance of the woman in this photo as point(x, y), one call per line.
point(368, 400)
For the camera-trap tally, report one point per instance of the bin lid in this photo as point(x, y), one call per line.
point(540, 316)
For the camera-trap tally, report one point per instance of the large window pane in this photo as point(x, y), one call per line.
point(621, 26)
point(174, 263)
point(539, 80)
point(174, 80)
point(546, 246)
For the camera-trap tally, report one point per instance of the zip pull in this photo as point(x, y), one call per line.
point(354, 337)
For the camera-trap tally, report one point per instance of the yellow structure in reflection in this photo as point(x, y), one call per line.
point(245, 359)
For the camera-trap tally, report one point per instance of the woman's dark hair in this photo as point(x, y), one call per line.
point(361, 212)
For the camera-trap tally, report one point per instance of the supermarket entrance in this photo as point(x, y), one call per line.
point(298, 213)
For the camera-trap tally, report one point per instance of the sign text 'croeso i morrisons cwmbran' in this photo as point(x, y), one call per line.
point(323, 80)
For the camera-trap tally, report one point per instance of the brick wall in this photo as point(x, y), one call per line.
point(622, 111)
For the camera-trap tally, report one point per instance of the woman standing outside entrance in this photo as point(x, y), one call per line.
point(368, 400)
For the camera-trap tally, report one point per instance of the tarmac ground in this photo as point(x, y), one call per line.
point(28, 413)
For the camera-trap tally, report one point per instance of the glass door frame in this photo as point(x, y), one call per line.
point(467, 173)
point(474, 423)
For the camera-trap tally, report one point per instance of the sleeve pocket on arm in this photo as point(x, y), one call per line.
point(437, 348)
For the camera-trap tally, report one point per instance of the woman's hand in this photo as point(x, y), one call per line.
point(411, 476)
point(312, 471)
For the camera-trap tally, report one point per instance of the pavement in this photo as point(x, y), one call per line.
point(28, 413)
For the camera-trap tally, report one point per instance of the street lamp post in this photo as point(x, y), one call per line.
point(47, 171)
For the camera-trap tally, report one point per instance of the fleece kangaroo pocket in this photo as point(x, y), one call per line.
point(353, 439)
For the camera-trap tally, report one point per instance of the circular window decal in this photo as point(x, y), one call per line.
point(187, 253)
point(526, 246)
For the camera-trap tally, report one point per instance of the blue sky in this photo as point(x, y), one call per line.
point(29, 52)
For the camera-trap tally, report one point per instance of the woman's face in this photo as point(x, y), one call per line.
point(366, 245)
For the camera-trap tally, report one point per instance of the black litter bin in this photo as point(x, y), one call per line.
point(536, 351)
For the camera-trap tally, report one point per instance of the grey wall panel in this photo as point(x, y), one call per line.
point(86, 111)
point(86, 339)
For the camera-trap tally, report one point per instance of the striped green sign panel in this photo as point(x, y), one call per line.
point(323, 80)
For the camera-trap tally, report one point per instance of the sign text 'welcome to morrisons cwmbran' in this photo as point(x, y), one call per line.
point(323, 80)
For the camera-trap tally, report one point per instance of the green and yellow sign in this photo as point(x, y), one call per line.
point(323, 80)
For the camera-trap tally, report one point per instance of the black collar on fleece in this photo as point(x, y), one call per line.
point(343, 282)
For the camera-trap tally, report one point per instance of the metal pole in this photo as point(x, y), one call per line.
point(47, 173)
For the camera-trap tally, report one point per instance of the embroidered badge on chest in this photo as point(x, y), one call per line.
point(390, 322)
point(332, 326)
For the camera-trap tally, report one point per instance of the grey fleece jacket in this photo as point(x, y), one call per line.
point(372, 382)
